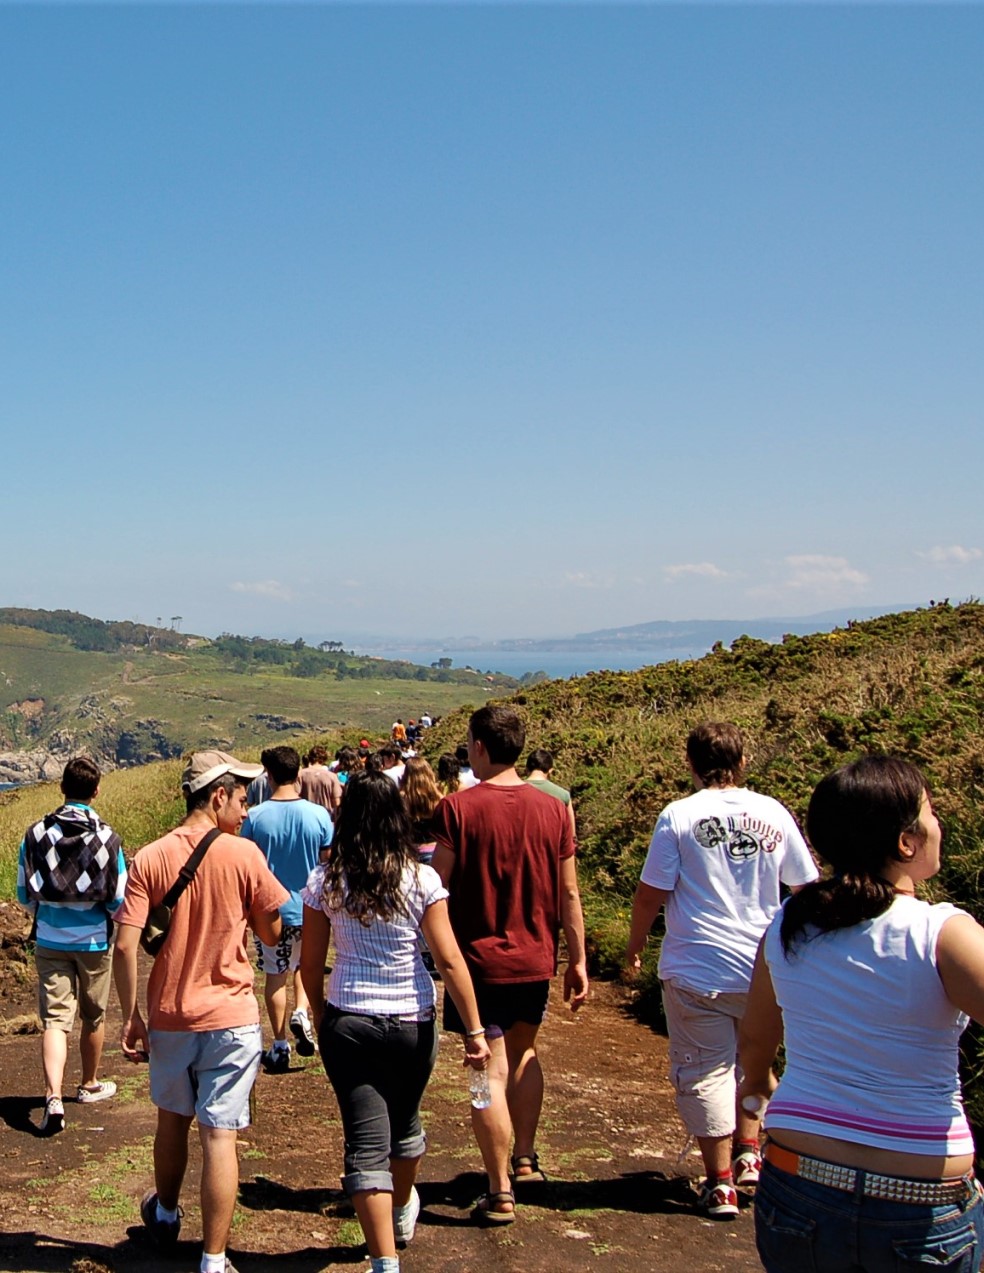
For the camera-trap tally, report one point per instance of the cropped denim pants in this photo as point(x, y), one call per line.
point(379, 1067)
point(804, 1227)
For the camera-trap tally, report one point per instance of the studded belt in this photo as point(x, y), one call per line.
point(929, 1193)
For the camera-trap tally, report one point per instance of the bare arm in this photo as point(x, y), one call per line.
point(450, 962)
point(443, 862)
point(134, 1042)
point(572, 922)
point(960, 960)
point(646, 905)
point(573, 821)
point(760, 1033)
point(267, 925)
point(315, 933)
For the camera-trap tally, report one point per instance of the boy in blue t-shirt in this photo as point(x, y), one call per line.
point(71, 876)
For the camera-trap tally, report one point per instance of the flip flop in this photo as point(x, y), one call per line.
point(486, 1209)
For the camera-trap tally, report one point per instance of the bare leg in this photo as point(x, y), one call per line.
point(220, 1184)
point(404, 1173)
point(747, 1129)
point(275, 996)
point(716, 1152)
point(91, 1049)
point(170, 1156)
point(524, 1089)
point(492, 1126)
point(301, 1001)
point(54, 1054)
point(374, 1207)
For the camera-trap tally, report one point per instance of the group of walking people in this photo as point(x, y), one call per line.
point(860, 1158)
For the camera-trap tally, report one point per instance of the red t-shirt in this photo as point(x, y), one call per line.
point(508, 843)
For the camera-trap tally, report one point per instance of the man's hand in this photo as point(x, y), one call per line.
point(575, 985)
point(631, 966)
point(134, 1042)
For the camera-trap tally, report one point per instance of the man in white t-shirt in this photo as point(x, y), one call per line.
point(716, 861)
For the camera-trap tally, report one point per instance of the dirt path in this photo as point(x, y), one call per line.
point(610, 1139)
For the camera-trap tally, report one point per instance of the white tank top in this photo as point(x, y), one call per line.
point(871, 1038)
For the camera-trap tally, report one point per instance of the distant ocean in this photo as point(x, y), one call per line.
point(558, 664)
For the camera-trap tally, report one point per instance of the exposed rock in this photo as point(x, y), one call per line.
point(280, 723)
point(30, 708)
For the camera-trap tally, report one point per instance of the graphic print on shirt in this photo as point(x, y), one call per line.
point(742, 835)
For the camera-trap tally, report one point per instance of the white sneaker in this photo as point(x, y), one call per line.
point(719, 1201)
point(405, 1218)
point(101, 1092)
point(300, 1028)
point(746, 1167)
point(53, 1120)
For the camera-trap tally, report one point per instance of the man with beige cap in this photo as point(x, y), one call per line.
point(202, 1032)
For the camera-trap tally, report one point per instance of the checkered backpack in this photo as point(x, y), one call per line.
point(71, 856)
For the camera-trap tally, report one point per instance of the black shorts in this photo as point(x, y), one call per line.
point(500, 1007)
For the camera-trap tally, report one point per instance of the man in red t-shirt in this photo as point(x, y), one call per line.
point(506, 854)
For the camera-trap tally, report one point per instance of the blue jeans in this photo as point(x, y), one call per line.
point(379, 1067)
point(804, 1227)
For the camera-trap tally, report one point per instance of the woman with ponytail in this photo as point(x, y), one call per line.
point(377, 1031)
point(869, 1159)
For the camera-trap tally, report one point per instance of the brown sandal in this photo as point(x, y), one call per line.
point(488, 1209)
point(526, 1167)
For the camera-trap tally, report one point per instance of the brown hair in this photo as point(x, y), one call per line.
point(716, 750)
point(500, 731)
point(419, 789)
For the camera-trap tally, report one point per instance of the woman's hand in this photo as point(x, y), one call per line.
point(477, 1052)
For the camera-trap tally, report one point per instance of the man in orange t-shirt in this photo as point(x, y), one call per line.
point(202, 1032)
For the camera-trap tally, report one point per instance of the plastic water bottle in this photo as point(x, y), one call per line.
point(478, 1087)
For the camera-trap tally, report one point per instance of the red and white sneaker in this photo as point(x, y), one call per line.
point(719, 1202)
point(746, 1168)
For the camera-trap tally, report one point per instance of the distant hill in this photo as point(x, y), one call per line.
point(695, 634)
point(132, 693)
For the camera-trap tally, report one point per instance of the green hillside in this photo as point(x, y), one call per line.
point(129, 694)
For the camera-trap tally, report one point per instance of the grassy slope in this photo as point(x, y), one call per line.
point(195, 699)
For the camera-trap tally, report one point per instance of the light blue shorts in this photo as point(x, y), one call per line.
point(206, 1074)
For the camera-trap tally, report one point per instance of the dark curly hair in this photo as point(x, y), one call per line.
point(371, 849)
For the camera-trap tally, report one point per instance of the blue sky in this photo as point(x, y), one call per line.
point(500, 320)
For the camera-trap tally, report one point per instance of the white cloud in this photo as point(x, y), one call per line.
point(811, 570)
point(953, 555)
point(703, 569)
point(269, 588)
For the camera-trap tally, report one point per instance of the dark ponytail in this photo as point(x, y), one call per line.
point(854, 822)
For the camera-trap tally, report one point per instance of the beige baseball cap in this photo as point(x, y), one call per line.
point(205, 766)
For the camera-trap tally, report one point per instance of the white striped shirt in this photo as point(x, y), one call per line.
point(378, 970)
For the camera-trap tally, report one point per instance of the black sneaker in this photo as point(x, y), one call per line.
point(276, 1060)
point(163, 1233)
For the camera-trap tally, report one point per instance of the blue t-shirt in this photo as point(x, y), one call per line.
point(291, 834)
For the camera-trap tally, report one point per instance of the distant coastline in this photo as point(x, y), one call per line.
point(613, 649)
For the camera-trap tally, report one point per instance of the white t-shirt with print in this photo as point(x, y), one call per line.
point(721, 855)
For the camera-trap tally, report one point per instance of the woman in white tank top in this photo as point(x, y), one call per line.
point(869, 1159)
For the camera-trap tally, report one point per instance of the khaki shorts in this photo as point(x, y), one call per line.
point(703, 1032)
point(70, 981)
